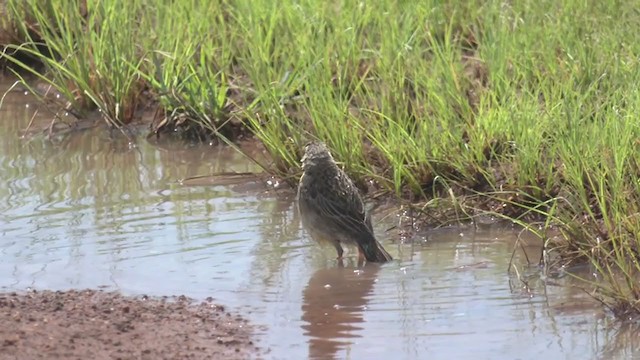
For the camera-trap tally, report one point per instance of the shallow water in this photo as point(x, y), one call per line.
point(96, 210)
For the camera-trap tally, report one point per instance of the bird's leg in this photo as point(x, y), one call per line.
point(339, 250)
point(361, 257)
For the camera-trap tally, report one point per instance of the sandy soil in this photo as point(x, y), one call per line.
point(91, 324)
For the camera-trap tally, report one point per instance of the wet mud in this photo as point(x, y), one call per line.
point(93, 324)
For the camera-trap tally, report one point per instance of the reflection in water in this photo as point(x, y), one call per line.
point(333, 305)
point(97, 209)
point(88, 209)
point(622, 342)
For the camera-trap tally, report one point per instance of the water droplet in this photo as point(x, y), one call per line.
point(26, 105)
point(327, 286)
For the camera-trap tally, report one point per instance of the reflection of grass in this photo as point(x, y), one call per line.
point(533, 103)
point(621, 341)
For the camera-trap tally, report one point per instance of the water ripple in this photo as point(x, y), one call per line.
point(91, 212)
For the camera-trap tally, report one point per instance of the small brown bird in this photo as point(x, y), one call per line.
point(331, 208)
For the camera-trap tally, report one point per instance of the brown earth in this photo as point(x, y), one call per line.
point(93, 324)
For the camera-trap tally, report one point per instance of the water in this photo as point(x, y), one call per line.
point(96, 210)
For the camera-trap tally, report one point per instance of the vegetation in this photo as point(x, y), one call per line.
point(530, 106)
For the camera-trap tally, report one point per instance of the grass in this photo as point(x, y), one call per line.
point(78, 55)
point(529, 108)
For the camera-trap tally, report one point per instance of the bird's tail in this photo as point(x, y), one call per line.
point(375, 253)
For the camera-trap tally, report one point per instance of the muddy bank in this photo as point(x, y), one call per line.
point(90, 324)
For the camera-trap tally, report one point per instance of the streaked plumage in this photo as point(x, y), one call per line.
point(331, 208)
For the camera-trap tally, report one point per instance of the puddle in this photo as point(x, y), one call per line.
point(96, 211)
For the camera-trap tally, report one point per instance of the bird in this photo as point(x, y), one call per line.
point(331, 208)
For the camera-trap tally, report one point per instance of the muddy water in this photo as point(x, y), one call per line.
point(93, 209)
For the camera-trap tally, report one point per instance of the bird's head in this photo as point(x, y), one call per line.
point(316, 153)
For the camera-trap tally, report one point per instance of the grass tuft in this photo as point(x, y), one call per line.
point(525, 110)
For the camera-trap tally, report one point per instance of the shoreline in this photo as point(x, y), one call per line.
point(96, 324)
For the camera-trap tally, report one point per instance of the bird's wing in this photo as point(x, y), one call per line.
point(346, 209)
